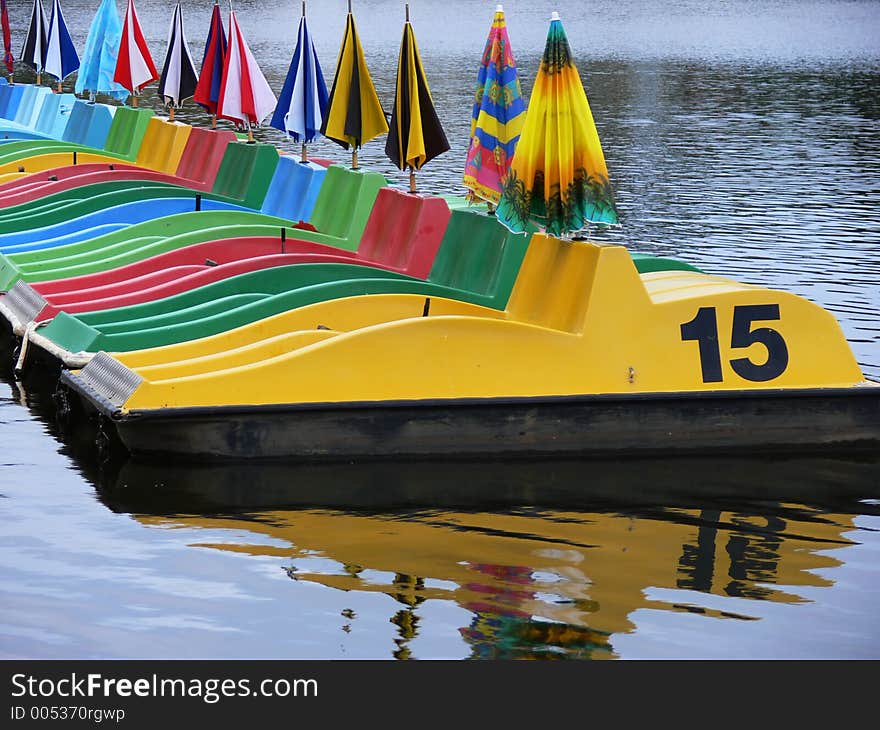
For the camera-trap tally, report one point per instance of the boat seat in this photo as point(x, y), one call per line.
point(162, 145)
point(13, 98)
point(479, 256)
point(294, 189)
point(246, 173)
point(54, 115)
point(29, 112)
point(404, 231)
point(353, 191)
point(203, 154)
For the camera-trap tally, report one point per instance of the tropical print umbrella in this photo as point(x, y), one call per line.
point(35, 40)
point(245, 95)
point(134, 66)
point(303, 101)
point(178, 80)
point(558, 178)
point(354, 113)
point(60, 58)
point(498, 117)
point(8, 58)
point(416, 136)
point(99, 57)
point(211, 75)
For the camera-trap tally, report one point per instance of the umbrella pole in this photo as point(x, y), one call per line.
point(213, 121)
point(354, 159)
point(171, 114)
point(134, 100)
point(58, 88)
point(39, 78)
point(412, 180)
point(305, 155)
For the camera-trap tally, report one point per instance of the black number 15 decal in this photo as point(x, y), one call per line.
point(704, 329)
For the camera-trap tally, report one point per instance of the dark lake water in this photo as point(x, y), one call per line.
point(743, 137)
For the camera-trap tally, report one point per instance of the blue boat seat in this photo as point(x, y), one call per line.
point(293, 189)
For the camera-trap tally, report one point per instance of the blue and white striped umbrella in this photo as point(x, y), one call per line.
point(303, 100)
point(35, 41)
point(60, 58)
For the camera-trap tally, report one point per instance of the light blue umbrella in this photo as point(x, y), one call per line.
point(59, 58)
point(303, 101)
point(100, 54)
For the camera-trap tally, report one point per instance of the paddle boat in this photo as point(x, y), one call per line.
point(607, 361)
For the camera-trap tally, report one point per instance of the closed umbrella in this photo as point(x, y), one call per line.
point(416, 136)
point(558, 178)
point(101, 52)
point(497, 119)
point(134, 65)
point(303, 101)
point(60, 58)
point(35, 40)
point(8, 58)
point(178, 80)
point(245, 95)
point(211, 76)
point(354, 113)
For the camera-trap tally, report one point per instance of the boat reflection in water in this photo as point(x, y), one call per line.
point(550, 559)
point(543, 559)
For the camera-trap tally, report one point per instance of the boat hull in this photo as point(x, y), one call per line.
point(726, 422)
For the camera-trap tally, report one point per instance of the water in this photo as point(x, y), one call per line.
point(742, 137)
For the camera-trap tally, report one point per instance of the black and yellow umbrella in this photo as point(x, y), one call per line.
point(354, 113)
point(416, 135)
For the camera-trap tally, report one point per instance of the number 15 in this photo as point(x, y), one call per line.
point(704, 329)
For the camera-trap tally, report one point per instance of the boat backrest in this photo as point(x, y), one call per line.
point(162, 145)
point(345, 201)
point(203, 154)
point(245, 172)
point(294, 189)
point(100, 125)
point(13, 99)
point(4, 98)
point(87, 119)
point(127, 131)
point(404, 231)
point(479, 255)
point(25, 109)
point(54, 115)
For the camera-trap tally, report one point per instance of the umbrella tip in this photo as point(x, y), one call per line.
point(555, 16)
point(499, 8)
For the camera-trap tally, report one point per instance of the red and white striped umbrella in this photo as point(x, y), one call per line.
point(134, 65)
point(245, 95)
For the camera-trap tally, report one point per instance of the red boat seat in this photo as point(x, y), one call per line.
point(203, 154)
point(404, 231)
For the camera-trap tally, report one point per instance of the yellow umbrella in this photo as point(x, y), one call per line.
point(558, 178)
point(354, 113)
point(416, 135)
